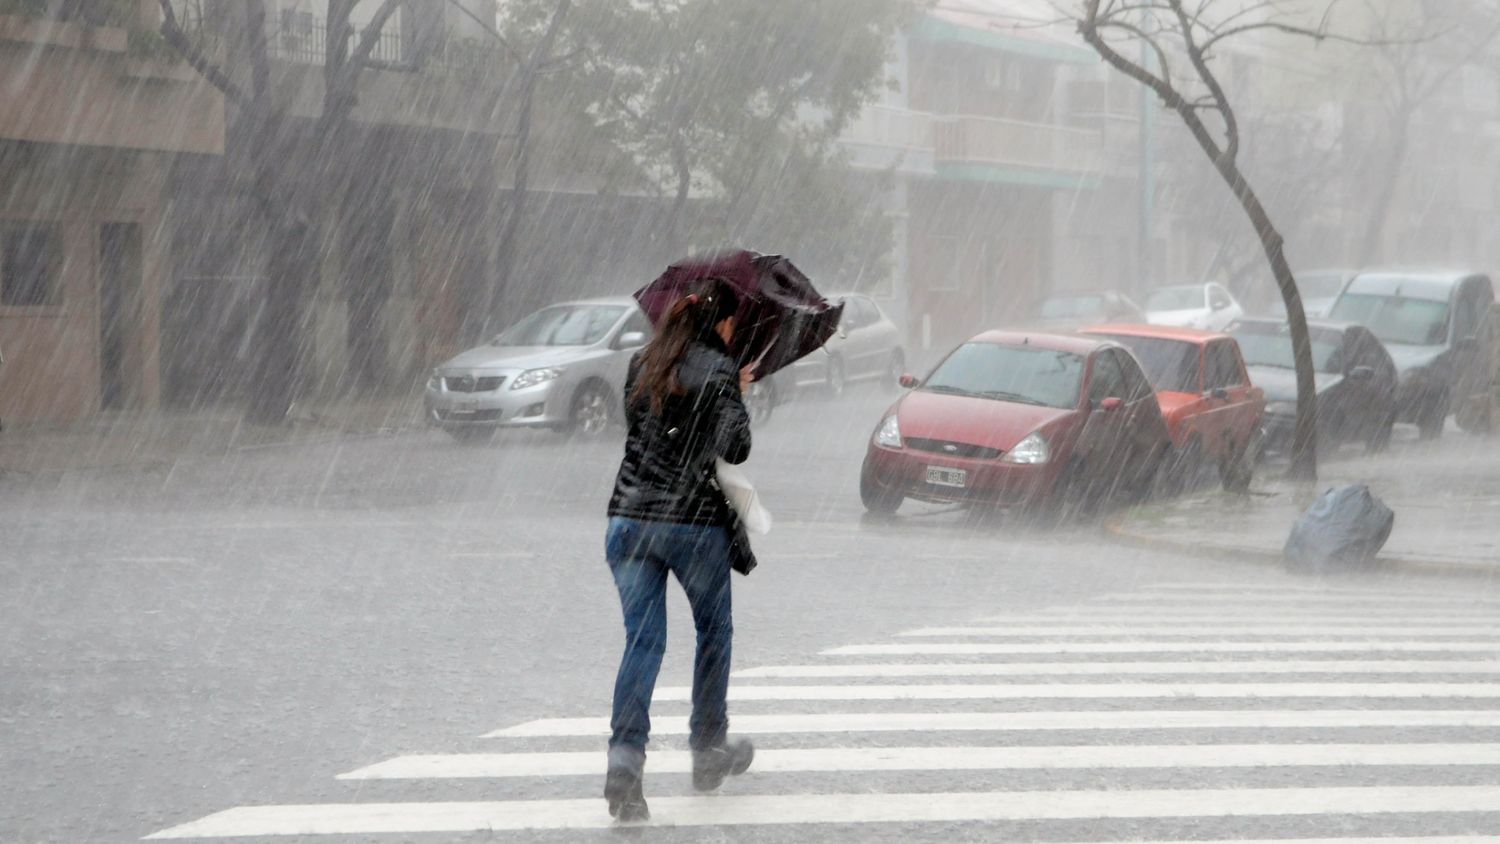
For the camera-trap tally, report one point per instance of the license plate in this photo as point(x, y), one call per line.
point(465, 406)
point(944, 476)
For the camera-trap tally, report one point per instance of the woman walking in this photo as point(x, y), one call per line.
point(667, 516)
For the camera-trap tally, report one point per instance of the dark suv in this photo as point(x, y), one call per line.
point(1436, 327)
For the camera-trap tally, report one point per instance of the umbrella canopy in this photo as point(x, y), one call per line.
point(781, 316)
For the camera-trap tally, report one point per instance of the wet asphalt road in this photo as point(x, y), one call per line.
point(239, 631)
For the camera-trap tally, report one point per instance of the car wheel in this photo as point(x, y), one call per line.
point(590, 416)
point(1238, 470)
point(1380, 436)
point(838, 379)
point(894, 370)
point(1434, 416)
point(760, 401)
point(878, 499)
point(1184, 466)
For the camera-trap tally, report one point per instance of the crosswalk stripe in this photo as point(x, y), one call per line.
point(477, 765)
point(1226, 629)
point(1299, 601)
point(754, 810)
point(1005, 669)
point(1190, 588)
point(877, 722)
point(1228, 616)
point(1096, 691)
point(1154, 646)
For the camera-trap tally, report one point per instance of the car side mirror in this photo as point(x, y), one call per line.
point(632, 340)
point(1361, 373)
point(1111, 403)
point(1219, 393)
point(908, 381)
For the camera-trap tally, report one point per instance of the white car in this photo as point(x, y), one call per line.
point(1206, 306)
point(867, 347)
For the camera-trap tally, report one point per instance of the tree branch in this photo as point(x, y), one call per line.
point(371, 37)
point(171, 30)
point(489, 27)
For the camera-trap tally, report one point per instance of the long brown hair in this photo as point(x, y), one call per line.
point(709, 302)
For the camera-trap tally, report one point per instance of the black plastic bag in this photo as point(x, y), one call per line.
point(1346, 526)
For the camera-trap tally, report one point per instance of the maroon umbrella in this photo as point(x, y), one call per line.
point(780, 319)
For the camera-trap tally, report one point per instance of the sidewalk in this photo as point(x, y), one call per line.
point(1446, 496)
point(135, 440)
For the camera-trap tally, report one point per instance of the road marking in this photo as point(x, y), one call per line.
point(485, 765)
point(1288, 602)
point(1164, 615)
point(757, 810)
point(1006, 669)
point(1184, 590)
point(1148, 646)
point(1096, 691)
point(1373, 631)
point(884, 722)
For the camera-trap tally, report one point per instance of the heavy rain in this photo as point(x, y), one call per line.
point(1112, 436)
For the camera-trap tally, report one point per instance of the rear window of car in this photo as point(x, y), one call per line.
point(1023, 374)
point(1272, 346)
point(1396, 319)
point(1169, 364)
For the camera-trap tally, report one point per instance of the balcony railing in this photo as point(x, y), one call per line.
point(990, 140)
point(306, 42)
point(896, 128)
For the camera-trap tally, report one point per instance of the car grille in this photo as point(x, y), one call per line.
point(955, 449)
point(471, 384)
point(470, 415)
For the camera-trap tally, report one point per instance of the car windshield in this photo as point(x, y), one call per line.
point(1063, 307)
point(1272, 346)
point(562, 325)
point(1169, 364)
point(1175, 299)
point(1024, 374)
point(1396, 319)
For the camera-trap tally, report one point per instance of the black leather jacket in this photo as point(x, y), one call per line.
point(668, 471)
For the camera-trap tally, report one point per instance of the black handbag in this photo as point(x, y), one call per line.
point(741, 557)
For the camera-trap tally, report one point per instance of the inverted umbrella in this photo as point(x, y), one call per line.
point(781, 316)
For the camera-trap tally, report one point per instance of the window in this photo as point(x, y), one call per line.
point(564, 325)
point(1108, 381)
point(1171, 365)
point(1221, 367)
point(30, 264)
point(636, 322)
point(1396, 319)
point(1021, 374)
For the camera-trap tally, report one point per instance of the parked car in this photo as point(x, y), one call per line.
point(1212, 410)
point(1088, 307)
point(563, 367)
point(1047, 423)
point(1355, 377)
point(1208, 306)
point(867, 348)
point(1436, 327)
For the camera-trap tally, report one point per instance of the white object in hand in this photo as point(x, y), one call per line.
point(743, 498)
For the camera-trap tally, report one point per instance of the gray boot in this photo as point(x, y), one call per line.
point(711, 766)
point(622, 784)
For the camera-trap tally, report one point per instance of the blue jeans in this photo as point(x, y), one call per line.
point(640, 554)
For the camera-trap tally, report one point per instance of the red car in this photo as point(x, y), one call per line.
point(1212, 410)
point(1043, 422)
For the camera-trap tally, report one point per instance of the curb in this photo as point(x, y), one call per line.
point(1115, 526)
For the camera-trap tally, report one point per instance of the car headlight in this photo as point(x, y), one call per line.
point(1030, 451)
point(1281, 408)
point(435, 382)
point(533, 377)
point(889, 434)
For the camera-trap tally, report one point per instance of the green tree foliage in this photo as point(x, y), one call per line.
point(732, 108)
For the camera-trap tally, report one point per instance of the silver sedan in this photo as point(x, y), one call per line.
point(561, 368)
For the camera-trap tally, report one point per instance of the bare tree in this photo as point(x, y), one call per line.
point(1451, 34)
point(271, 166)
point(1181, 38)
